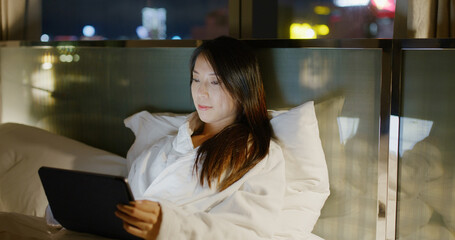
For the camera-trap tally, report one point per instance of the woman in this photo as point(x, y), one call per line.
point(221, 176)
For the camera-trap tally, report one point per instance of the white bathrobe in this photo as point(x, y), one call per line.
point(248, 209)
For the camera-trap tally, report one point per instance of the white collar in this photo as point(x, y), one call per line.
point(182, 142)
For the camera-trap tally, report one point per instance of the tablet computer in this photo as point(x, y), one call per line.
point(86, 202)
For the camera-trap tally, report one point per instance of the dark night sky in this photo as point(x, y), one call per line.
point(116, 18)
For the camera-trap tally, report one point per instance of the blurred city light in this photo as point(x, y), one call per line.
point(388, 5)
point(351, 3)
point(373, 28)
point(322, 10)
point(67, 54)
point(176, 38)
point(43, 82)
point(76, 57)
point(88, 31)
point(154, 20)
point(44, 38)
point(302, 31)
point(46, 66)
point(142, 32)
point(46, 61)
point(322, 29)
point(66, 58)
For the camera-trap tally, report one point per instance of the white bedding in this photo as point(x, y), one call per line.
point(26, 142)
point(24, 149)
point(15, 226)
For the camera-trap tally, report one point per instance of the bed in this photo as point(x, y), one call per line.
point(24, 149)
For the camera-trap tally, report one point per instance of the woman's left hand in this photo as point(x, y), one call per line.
point(141, 218)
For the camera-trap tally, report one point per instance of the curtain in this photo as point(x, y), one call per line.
point(20, 19)
point(430, 18)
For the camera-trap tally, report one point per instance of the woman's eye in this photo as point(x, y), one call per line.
point(195, 80)
point(215, 82)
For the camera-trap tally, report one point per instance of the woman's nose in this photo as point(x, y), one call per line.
point(203, 89)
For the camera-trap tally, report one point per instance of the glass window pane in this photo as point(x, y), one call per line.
point(345, 86)
point(134, 19)
point(336, 18)
point(426, 203)
point(88, 100)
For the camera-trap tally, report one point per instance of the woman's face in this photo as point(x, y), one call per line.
point(213, 102)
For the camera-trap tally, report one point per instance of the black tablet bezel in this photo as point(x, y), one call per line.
point(85, 201)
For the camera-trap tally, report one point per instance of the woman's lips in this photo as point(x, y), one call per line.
point(203, 108)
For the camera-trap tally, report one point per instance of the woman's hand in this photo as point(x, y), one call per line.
point(141, 218)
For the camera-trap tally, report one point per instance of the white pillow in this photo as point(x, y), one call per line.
point(24, 149)
point(440, 195)
point(149, 128)
point(307, 185)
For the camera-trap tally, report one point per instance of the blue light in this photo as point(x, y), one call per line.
point(176, 38)
point(142, 32)
point(88, 31)
point(45, 38)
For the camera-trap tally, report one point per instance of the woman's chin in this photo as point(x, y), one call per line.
point(204, 119)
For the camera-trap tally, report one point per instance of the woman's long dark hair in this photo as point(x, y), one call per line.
point(231, 153)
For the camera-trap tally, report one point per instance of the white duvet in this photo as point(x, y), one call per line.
point(23, 150)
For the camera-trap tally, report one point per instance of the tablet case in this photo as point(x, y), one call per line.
point(86, 202)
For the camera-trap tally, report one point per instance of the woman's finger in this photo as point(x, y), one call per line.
point(134, 231)
point(147, 213)
point(141, 218)
point(134, 222)
point(127, 218)
point(147, 206)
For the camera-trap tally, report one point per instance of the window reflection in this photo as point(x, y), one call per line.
point(348, 128)
point(43, 81)
point(411, 132)
point(313, 72)
point(426, 203)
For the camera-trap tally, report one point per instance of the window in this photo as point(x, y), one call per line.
point(133, 19)
point(336, 18)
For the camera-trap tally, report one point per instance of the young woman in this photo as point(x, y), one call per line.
point(222, 176)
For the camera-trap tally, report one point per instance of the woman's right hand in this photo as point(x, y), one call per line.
point(141, 218)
